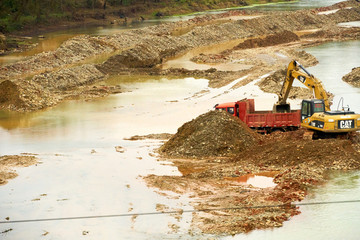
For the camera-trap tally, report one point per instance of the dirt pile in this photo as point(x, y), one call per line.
point(212, 134)
point(72, 51)
point(48, 88)
point(23, 95)
point(157, 43)
point(353, 77)
point(216, 183)
point(270, 40)
point(9, 93)
point(274, 82)
point(64, 79)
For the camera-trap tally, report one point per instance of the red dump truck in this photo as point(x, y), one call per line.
point(262, 121)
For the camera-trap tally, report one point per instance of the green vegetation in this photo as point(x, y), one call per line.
point(24, 14)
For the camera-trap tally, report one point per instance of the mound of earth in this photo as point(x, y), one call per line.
point(213, 134)
point(23, 94)
point(296, 164)
point(274, 82)
point(353, 77)
point(270, 40)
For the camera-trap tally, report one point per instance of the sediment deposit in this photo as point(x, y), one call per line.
point(144, 50)
point(216, 184)
point(8, 163)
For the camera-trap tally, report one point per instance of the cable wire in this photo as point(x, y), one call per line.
point(178, 211)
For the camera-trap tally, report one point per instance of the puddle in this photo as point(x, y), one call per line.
point(328, 221)
point(185, 170)
point(259, 180)
point(350, 24)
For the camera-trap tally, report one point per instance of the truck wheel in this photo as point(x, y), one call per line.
point(278, 130)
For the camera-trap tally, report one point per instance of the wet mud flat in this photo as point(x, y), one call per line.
point(216, 172)
point(267, 40)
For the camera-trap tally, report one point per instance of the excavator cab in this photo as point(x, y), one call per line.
point(309, 107)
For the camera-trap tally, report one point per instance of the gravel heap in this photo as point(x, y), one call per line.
point(213, 134)
point(64, 79)
point(273, 84)
point(353, 77)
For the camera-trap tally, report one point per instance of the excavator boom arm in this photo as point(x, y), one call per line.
point(315, 85)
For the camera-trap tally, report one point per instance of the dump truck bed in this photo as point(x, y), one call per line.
point(261, 120)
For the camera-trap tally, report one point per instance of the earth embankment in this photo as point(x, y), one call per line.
point(353, 77)
point(144, 50)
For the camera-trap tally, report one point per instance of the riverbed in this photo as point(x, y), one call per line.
point(81, 174)
point(52, 40)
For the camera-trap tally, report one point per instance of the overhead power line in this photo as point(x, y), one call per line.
point(177, 212)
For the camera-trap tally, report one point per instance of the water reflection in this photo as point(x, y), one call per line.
point(258, 180)
point(142, 109)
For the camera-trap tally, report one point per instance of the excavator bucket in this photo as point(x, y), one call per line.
point(281, 108)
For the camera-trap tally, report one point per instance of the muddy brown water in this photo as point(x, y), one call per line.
point(259, 180)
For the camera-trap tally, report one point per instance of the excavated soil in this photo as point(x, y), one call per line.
point(9, 162)
point(144, 50)
point(213, 134)
point(214, 180)
point(273, 84)
point(353, 77)
point(270, 40)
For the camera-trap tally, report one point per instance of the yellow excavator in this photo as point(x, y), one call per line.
point(315, 113)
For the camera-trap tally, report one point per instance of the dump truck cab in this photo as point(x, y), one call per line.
point(231, 107)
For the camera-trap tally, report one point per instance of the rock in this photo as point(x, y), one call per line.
point(120, 149)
